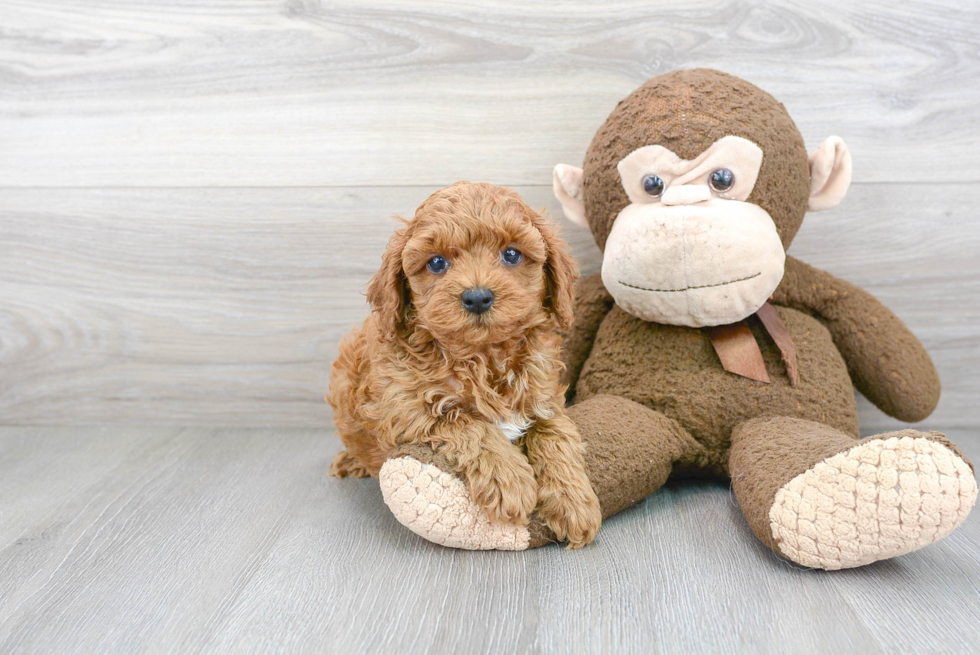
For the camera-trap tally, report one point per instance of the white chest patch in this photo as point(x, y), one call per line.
point(515, 428)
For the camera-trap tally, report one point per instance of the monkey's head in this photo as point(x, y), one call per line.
point(693, 188)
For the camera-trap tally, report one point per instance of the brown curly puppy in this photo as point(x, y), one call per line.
point(461, 353)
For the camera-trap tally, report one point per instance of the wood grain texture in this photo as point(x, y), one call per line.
point(122, 540)
point(224, 306)
point(308, 92)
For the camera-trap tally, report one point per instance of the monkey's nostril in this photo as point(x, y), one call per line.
point(477, 300)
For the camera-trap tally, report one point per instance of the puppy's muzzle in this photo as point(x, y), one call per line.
point(477, 300)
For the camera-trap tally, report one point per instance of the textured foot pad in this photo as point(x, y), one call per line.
point(436, 506)
point(880, 499)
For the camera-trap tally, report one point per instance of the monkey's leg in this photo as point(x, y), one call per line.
point(630, 451)
point(426, 495)
point(823, 499)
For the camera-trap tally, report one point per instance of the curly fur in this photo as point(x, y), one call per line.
point(423, 370)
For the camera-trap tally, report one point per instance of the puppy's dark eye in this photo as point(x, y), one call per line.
point(721, 179)
point(653, 185)
point(437, 265)
point(512, 256)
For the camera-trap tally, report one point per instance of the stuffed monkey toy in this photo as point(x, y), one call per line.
point(703, 350)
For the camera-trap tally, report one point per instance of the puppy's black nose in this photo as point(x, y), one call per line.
point(477, 300)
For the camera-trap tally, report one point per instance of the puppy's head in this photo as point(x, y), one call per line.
point(476, 266)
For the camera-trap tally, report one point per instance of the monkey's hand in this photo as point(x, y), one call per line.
point(885, 360)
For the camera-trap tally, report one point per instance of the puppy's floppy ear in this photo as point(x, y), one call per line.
point(388, 290)
point(561, 272)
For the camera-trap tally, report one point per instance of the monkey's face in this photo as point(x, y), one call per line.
point(693, 188)
point(689, 249)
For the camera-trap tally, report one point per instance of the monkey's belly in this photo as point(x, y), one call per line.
point(675, 370)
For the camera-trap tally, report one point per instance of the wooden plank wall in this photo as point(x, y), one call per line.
point(194, 194)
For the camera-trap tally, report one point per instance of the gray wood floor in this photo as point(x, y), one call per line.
point(130, 539)
point(193, 194)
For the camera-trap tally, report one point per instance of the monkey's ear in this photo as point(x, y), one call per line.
point(830, 174)
point(567, 184)
point(388, 290)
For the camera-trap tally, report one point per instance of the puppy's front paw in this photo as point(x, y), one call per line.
point(571, 509)
point(345, 465)
point(504, 488)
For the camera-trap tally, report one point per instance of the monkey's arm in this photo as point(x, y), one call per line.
point(592, 303)
point(886, 362)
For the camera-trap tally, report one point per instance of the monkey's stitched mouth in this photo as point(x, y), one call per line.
point(703, 286)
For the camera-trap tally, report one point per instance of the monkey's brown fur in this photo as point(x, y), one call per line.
point(665, 384)
point(686, 111)
point(422, 370)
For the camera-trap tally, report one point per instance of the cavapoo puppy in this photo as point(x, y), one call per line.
point(461, 353)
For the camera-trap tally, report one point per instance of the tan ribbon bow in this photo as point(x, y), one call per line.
point(740, 354)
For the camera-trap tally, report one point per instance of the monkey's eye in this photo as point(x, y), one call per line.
point(512, 256)
point(721, 179)
point(437, 265)
point(653, 185)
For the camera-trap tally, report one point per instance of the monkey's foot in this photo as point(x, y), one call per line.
point(436, 505)
point(886, 496)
